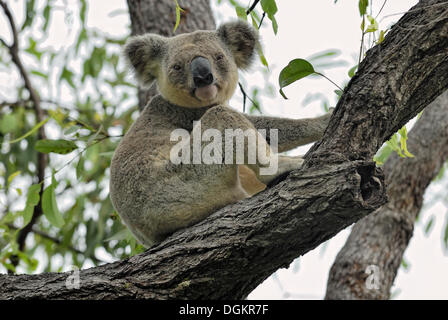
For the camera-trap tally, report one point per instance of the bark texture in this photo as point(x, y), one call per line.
point(231, 252)
point(160, 17)
point(381, 238)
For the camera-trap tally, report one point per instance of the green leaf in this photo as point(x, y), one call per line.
point(352, 71)
point(241, 13)
point(67, 75)
point(32, 200)
point(32, 49)
point(381, 36)
point(445, 235)
point(429, 225)
point(262, 56)
point(363, 6)
point(393, 144)
point(178, 11)
point(8, 123)
point(83, 12)
point(338, 93)
point(373, 24)
point(382, 155)
point(56, 146)
point(50, 207)
point(46, 14)
point(30, 13)
point(404, 137)
point(39, 74)
point(12, 176)
point(274, 23)
point(324, 54)
point(404, 264)
point(81, 38)
point(269, 6)
point(34, 129)
point(295, 70)
point(80, 168)
point(120, 235)
point(72, 129)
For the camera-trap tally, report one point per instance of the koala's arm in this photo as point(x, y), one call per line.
point(292, 132)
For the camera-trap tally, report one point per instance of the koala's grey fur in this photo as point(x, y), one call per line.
point(155, 197)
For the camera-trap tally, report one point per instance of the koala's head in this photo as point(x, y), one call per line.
point(194, 69)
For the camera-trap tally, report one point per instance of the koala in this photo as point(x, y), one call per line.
point(196, 75)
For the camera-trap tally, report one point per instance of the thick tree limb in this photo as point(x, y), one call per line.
point(381, 238)
point(228, 254)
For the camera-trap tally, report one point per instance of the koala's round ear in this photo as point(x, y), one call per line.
point(242, 40)
point(144, 54)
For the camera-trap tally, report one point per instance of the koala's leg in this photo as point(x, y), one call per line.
point(266, 165)
point(292, 132)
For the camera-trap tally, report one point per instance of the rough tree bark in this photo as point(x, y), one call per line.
point(381, 238)
point(160, 17)
point(231, 252)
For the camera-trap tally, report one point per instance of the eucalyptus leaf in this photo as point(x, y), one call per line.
point(33, 130)
point(32, 200)
point(59, 146)
point(295, 70)
point(50, 208)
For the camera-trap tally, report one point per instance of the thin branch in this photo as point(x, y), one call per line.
point(362, 43)
point(245, 95)
point(382, 7)
point(321, 74)
point(59, 242)
point(16, 104)
point(41, 157)
point(261, 21)
point(252, 7)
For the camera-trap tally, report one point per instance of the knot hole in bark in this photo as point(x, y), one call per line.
point(372, 183)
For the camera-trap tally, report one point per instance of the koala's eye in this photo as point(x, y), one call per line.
point(177, 67)
point(219, 57)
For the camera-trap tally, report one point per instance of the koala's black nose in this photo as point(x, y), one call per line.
point(201, 72)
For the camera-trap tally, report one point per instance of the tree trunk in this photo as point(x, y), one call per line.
point(160, 17)
point(380, 239)
point(232, 251)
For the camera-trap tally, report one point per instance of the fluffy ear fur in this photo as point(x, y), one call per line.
point(241, 39)
point(144, 53)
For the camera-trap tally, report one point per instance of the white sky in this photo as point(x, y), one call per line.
point(305, 27)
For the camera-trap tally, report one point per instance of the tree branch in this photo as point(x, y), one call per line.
point(390, 227)
point(252, 7)
point(59, 242)
point(41, 157)
point(231, 252)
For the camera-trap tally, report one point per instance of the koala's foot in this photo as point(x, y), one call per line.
point(286, 164)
